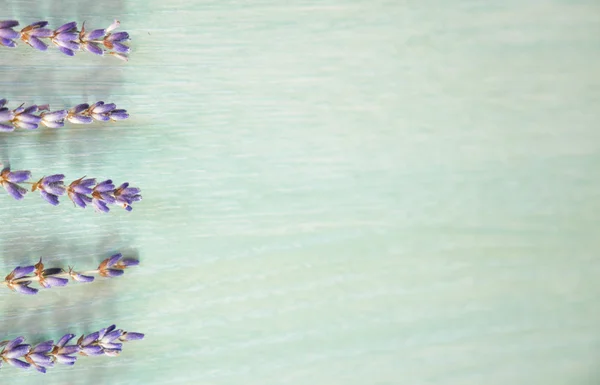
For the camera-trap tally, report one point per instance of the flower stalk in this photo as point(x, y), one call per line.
point(67, 38)
point(31, 117)
point(20, 279)
point(82, 192)
point(105, 342)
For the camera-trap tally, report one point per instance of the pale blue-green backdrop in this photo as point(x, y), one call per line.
point(335, 192)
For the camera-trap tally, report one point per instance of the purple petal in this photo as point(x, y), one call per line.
point(89, 182)
point(41, 32)
point(3, 102)
point(67, 36)
point(113, 273)
point(89, 339)
point(80, 119)
point(93, 48)
point(19, 176)
point(12, 344)
point(54, 178)
point(82, 189)
point(8, 23)
point(132, 336)
point(105, 186)
point(69, 349)
point(130, 262)
point(65, 360)
point(72, 45)
point(54, 116)
point(100, 205)
point(66, 27)
point(18, 363)
point(64, 340)
point(37, 24)
point(24, 289)
point(17, 351)
point(78, 199)
point(119, 115)
point(93, 350)
point(41, 359)
point(119, 36)
point(100, 117)
point(106, 197)
point(128, 208)
point(8, 33)
point(82, 278)
point(37, 43)
point(66, 51)
point(50, 198)
point(79, 108)
point(95, 34)
point(120, 48)
point(6, 128)
point(113, 335)
point(6, 114)
point(103, 108)
point(21, 271)
point(56, 281)
point(56, 188)
point(7, 43)
point(14, 190)
point(43, 347)
point(113, 259)
point(28, 118)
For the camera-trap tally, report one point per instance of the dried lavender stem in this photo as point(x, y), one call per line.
point(32, 117)
point(67, 38)
point(22, 276)
point(81, 191)
point(107, 341)
point(64, 274)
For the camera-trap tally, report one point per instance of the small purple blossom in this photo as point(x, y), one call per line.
point(21, 277)
point(31, 117)
point(67, 38)
point(105, 342)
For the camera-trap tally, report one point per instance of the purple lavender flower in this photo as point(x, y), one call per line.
point(31, 117)
point(7, 33)
point(107, 341)
point(51, 187)
point(13, 350)
point(19, 280)
point(10, 180)
point(21, 277)
point(67, 38)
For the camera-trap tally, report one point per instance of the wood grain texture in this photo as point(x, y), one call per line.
point(335, 192)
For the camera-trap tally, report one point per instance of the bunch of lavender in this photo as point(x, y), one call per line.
point(81, 192)
point(26, 117)
point(22, 276)
point(67, 38)
point(105, 342)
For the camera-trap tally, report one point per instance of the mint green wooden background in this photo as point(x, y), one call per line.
point(335, 192)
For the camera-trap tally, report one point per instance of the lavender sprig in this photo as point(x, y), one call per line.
point(105, 342)
point(20, 279)
point(32, 117)
point(67, 38)
point(81, 192)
